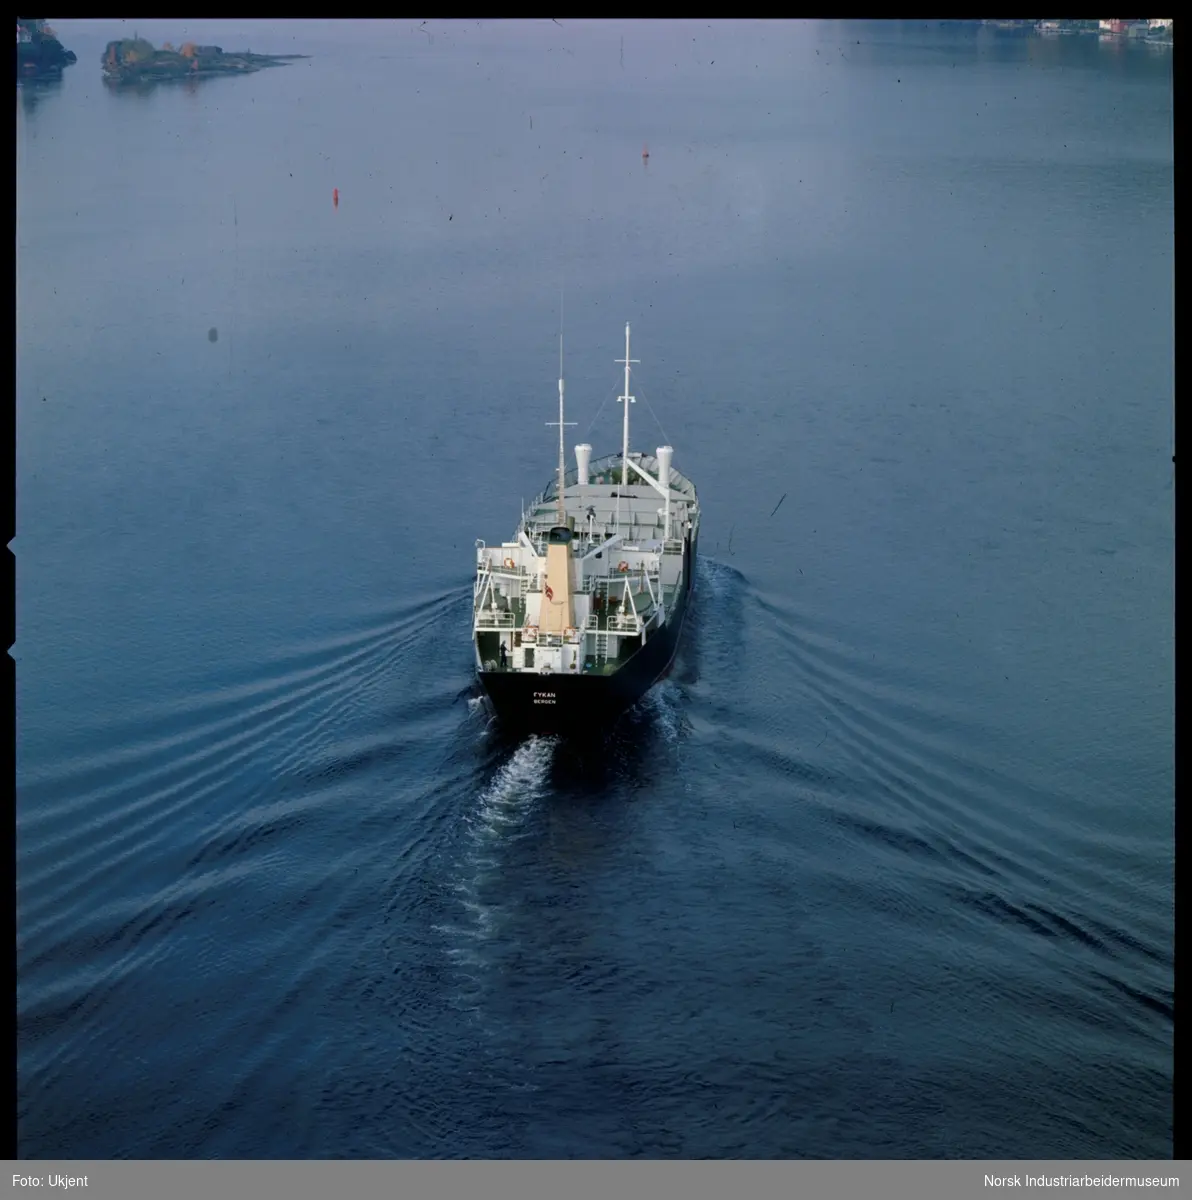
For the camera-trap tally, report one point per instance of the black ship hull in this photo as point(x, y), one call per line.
point(586, 704)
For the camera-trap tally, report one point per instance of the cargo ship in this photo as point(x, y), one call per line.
point(578, 615)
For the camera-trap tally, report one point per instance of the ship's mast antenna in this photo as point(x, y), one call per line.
point(562, 508)
point(627, 400)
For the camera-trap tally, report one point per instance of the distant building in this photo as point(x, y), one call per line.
point(1165, 23)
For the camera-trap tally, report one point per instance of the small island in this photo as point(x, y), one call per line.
point(134, 60)
point(39, 52)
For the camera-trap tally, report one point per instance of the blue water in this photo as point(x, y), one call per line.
point(884, 869)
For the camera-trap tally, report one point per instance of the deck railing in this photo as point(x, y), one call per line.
point(501, 619)
point(625, 623)
point(496, 565)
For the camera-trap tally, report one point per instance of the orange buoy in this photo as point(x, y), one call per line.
point(335, 197)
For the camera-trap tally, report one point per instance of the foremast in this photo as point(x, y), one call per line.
point(562, 508)
point(627, 400)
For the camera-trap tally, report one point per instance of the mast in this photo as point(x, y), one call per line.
point(562, 452)
point(561, 507)
point(627, 400)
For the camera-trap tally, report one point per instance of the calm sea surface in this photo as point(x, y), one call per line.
point(884, 869)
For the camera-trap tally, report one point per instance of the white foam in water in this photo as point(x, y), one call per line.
point(499, 813)
point(663, 703)
point(519, 782)
point(716, 577)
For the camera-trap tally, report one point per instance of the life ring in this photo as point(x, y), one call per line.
point(622, 566)
point(569, 633)
point(530, 632)
point(510, 564)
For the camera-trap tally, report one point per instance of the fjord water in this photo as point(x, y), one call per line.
point(883, 869)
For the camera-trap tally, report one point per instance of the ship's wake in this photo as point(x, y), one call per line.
point(659, 712)
point(716, 577)
point(481, 928)
point(504, 804)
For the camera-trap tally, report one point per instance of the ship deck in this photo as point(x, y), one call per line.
point(627, 577)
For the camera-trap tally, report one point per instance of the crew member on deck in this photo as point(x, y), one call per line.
point(504, 658)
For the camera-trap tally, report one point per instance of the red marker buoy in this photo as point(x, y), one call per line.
point(645, 153)
point(335, 197)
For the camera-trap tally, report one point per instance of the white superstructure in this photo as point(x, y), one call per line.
point(596, 565)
